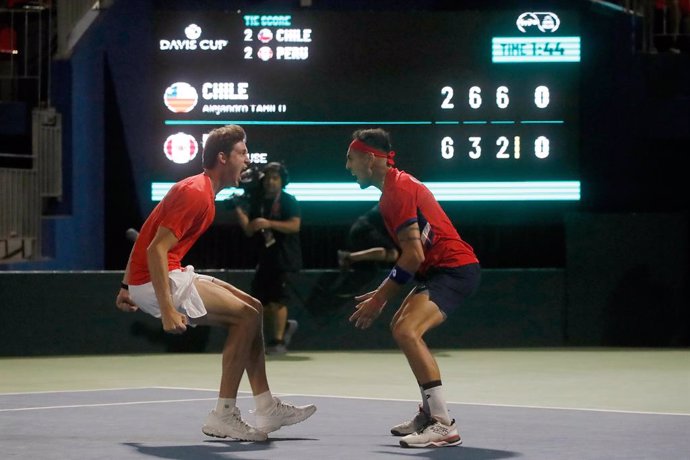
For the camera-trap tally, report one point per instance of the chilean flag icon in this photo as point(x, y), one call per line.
point(180, 97)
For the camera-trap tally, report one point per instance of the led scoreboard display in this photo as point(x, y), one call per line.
point(481, 105)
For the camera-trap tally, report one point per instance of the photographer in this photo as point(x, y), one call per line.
point(272, 220)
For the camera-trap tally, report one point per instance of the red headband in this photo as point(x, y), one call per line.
point(362, 147)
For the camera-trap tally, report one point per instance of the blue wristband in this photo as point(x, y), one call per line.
point(400, 275)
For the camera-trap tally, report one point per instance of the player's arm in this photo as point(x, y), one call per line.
point(409, 261)
point(123, 301)
point(157, 258)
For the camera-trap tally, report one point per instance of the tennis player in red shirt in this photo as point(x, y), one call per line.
point(433, 257)
point(156, 282)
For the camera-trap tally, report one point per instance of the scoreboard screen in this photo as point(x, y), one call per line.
point(482, 105)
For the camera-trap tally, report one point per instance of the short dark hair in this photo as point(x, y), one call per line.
point(278, 168)
point(375, 137)
point(221, 139)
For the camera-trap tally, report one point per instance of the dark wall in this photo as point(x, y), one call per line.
point(611, 301)
point(74, 313)
point(627, 282)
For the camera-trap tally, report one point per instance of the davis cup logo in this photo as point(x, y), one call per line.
point(192, 31)
point(180, 148)
point(192, 42)
point(180, 97)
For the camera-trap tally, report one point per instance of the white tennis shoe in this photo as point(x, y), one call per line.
point(282, 414)
point(412, 426)
point(229, 424)
point(435, 434)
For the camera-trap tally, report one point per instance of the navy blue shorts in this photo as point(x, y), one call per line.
point(449, 286)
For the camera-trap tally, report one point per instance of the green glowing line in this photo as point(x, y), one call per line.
point(292, 123)
point(444, 191)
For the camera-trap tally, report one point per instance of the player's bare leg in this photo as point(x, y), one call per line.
point(243, 323)
point(271, 412)
point(417, 316)
point(255, 362)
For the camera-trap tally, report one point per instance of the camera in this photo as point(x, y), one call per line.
point(250, 180)
point(250, 183)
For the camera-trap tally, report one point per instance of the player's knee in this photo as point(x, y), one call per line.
point(404, 333)
point(256, 304)
point(250, 315)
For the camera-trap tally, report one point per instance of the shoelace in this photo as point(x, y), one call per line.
point(429, 422)
point(437, 427)
point(238, 418)
point(282, 408)
point(421, 416)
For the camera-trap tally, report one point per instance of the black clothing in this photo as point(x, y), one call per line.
point(285, 255)
point(369, 231)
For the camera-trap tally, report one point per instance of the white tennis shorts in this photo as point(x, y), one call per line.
point(185, 296)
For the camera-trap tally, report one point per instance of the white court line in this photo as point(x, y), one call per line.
point(191, 389)
point(616, 411)
point(130, 403)
point(519, 406)
point(74, 391)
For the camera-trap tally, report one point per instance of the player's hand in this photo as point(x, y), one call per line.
point(368, 309)
point(174, 323)
point(366, 296)
point(124, 302)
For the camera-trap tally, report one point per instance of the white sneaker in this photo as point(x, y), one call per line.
point(290, 329)
point(229, 424)
point(282, 414)
point(435, 434)
point(412, 426)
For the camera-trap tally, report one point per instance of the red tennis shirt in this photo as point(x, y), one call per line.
point(405, 200)
point(187, 210)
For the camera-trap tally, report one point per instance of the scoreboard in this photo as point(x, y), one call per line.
point(482, 105)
